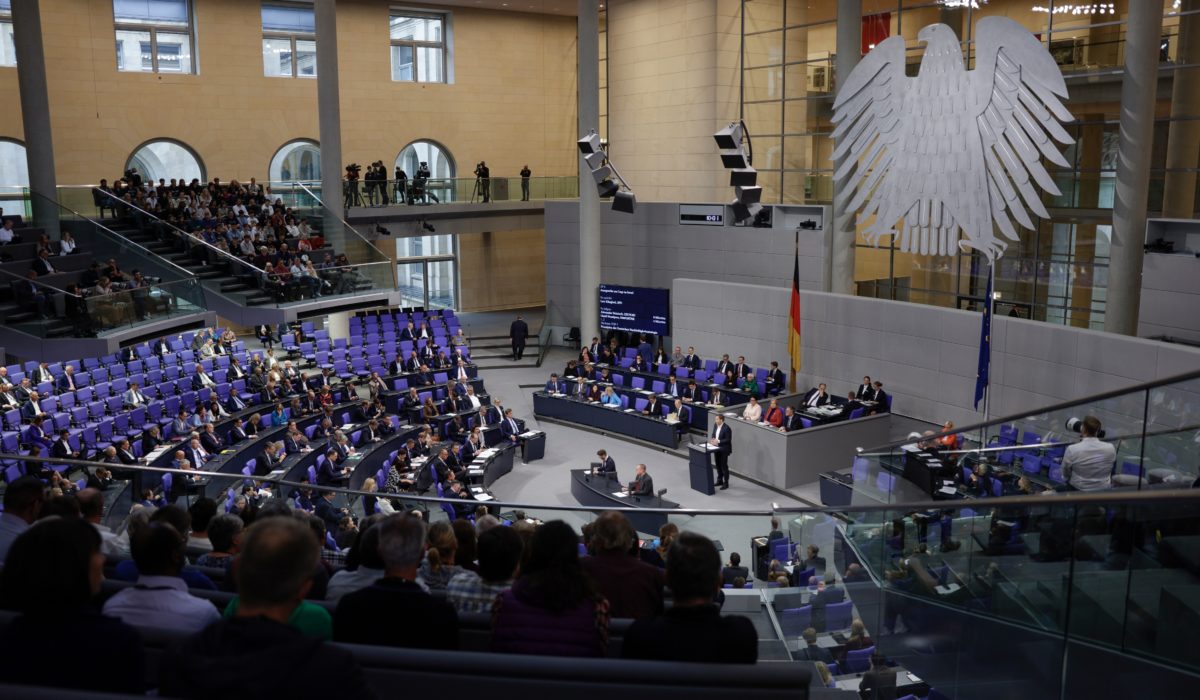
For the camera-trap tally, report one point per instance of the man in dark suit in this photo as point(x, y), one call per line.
point(129, 353)
point(331, 472)
point(210, 440)
point(866, 391)
point(645, 350)
point(397, 365)
point(235, 402)
point(372, 615)
point(741, 369)
point(432, 472)
point(42, 373)
point(717, 397)
point(42, 265)
point(791, 420)
point(517, 333)
point(413, 363)
point(554, 386)
point(653, 407)
point(642, 484)
point(161, 347)
point(607, 466)
point(823, 597)
point(691, 392)
point(813, 652)
point(817, 397)
point(66, 382)
point(672, 388)
point(61, 449)
point(722, 439)
point(201, 379)
point(31, 409)
point(693, 629)
point(776, 382)
point(424, 376)
point(691, 360)
point(237, 433)
point(734, 570)
point(510, 428)
point(724, 365)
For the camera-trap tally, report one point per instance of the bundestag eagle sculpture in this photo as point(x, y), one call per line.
point(951, 150)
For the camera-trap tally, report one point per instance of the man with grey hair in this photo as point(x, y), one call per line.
point(274, 573)
point(396, 601)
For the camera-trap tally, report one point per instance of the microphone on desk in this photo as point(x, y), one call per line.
point(660, 495)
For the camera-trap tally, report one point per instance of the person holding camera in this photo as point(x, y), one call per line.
point(1087, 465)
point(352, 196)
point(483, 180)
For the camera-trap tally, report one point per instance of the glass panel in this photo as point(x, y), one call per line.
point(429, 64)
point(14, 168)
point(174, 53)
point(166, 160)
point(442, 283)
point(288, 18)
point(133, 51)
point(439, 162)
point(8, 52)
point(411, 277)
point(298, 160)
point(406, 28)
point(402, 63)
point(150, 11)
point(306, 58)
point(277, 57)
point(425, 246)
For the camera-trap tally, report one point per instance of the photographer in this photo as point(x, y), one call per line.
point(483, 181)
point(352, 196)
point(420, 183)
point(401, 187)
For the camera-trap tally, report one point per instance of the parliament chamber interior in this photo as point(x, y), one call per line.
point(662, 348)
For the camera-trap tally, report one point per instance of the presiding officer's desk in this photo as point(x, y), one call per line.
point(629, 422)
point(787, 460)
point(650, 380)
point(598, 492)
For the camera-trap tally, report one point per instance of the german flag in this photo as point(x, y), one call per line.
point(794, 315)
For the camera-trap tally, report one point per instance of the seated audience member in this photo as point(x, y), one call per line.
point(438, 566)
point(160, 598)
point(752, 412)
point(369, 569)
point(865, 391)
point(23, 501)
point(734, 570)
point(817, 397)
point(52, 573)
point(499, 551)
point(633, 588)
point(202, 513)
point(811, 651)
point(879, 682)
point(881, 399)
point(233, 657)
point(553, 609)
point(791, 420)
point(776, 382)
point(395, 610)
point(225, 534)
point(813, 561)
point(693, 629)
point(858, 639)
point(774, 414)
point(1087, 465)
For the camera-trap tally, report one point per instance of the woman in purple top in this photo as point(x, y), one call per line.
point(554, 608)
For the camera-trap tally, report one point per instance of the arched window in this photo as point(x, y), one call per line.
point(14, 169)
point(166, 160)
point(441, 163)
point(296, 161)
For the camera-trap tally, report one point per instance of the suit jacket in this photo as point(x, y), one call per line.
point(470, 449)
point(691, 361)
point(194, 457)
point(642, 485)
point(729, 573)
point(133, 399)
point(776, 380)
point(724, 436)
point(792, 422)
point(211, 442)
point(65, 383)
point(237, 435)
point(395, 367)
point(61, 450)
point(865, 392)
point(654, 408)
point(673, 389)
point(608, 466)
point(741, 370)
point(30, 410)
point(235, 403)
point(406, 333)
point(717, 398)
point(724, 366)
point(518, 331)
point(198, 382)
point(594, 393)
point(160, 348)
point(689, 392)
point(820, 402)
point(881, 398)
point(510, 427)
point(235, 372)
point(126, 457)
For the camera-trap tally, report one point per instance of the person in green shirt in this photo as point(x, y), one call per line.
point(750, 384)
point(311, 619)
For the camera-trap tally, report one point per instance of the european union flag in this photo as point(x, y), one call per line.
point(985, 345)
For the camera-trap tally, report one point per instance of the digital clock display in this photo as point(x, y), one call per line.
point(702, 214)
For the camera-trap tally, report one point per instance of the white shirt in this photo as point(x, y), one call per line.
point(753, 411)
point(474, 400)
point(163, 602)
point(112, 544)
point(1088, 464)
point(6, 235)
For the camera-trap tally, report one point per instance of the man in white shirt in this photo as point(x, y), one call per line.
point(133, 397)
point(475, 403)
point(91, 507)
point(1087, 465)
point(160, 598)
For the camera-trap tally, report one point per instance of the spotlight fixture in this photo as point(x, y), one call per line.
point(382, 231)
point(428, 226)
point(737, 155)
point(609, 182)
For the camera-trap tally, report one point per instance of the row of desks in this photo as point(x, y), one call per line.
point(627, 422)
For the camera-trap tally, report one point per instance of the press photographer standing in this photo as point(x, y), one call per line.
point(482, 176)
point(525, 173)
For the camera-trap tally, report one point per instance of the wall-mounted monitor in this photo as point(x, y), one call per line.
point(635, 309)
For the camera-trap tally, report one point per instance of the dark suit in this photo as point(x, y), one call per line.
point(210, 442)
point(510, 428)
point(724, 366)
point(865, 392)
point(608, 466)
point(729, 573)
point(65, 384)
point(792, 422)
point(553, 387)
point(61, 450)
point(372, 615)
point(673, 389)
point(881, 398)
point(642, 485)
point(653, 408)
point(198, 382)
point(235, 403)
point(329, 473)
point(692, 362)
point(820, 399)
point(816, 653)
point(161, 348)
point(693, 634)
point(776, 382)
point(723, 434)
point(433, 471)
point(236, 435)
point(518, 332)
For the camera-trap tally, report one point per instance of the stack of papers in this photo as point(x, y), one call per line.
point(530, 433)
point(620, 494)
point(483, 497)
point(629, 410)
point(474, 472)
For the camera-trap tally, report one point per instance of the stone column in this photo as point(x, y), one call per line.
point(35, 114)
point(1138, 86)
point(329, 115)
point(588, 62)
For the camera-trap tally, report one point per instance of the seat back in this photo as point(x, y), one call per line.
point(859, 660)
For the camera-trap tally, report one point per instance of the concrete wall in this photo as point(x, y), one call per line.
point(925, 356)
point(512, 101)
point(1170, 302)
point(650, 248)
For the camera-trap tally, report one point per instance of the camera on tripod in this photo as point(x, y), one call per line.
point(352, 171)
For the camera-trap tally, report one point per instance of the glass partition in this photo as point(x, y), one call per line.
point(361, 193)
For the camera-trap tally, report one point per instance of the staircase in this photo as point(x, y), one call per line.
point(495, 352)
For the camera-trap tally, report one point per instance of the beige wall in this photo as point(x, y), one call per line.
point(512, 102)
point(501, 270)
point(673, 81)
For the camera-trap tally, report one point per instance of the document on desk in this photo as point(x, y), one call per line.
point(947, 589)
point(947, 490)
point(620, 494)
point(474, 472)
point(629, 410)
point(531, 433)
point(484, 497)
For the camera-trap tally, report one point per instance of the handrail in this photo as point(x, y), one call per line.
point(184, 235)
point(187, 273)
point(1146, 386)
point(1058, 498)
point(1033, 446)
point(344, 223)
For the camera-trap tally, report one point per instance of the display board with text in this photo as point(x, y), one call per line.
point(635, 309)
